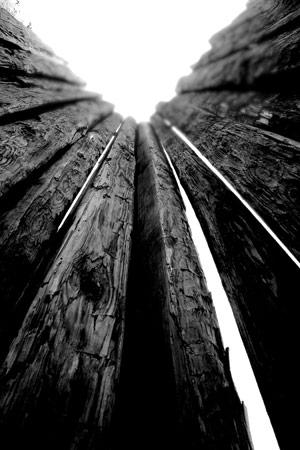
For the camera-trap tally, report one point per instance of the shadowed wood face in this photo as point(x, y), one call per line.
point(82, 306)
point(257, 276)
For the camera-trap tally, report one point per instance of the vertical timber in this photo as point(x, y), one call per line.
point(240, 108)
point(258, 277)
point(60, 375)
point(28, 230)
point(171, 285)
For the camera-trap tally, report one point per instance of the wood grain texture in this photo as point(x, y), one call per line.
point(23, 53)
point(27, 145)
point(23, 93)
point(209, 413)
point(60, 376)
point(13, 32)
point(264, 167)
point(259, 49)
point(15, 61)
point(260, 280)
point(27, 229)
point(277, 112)
point(263, 64)
point(260, 21)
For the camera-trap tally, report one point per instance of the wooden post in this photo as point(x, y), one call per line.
point(260, 280)
point(184, 353)
point(28, 230)
point(28, 145)
point(263, 168)
point(59, 378)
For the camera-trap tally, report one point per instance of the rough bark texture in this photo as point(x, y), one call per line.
point(276, 112)
point(60, 375)
point(66, 381)
point(18, 62)
point(29, 144)
point(14, 32)
point(263, 60)
point(240, 108)
point(27, 229)
point(22, 93)
point(264, 167)
point(208, 412)
point(260, 280)
point(22, 52)
point(260, 21)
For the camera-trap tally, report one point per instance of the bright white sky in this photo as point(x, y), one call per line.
point(133, 52)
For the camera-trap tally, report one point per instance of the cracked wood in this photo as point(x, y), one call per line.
point(22, 52)
point(259, 279)
point(263, 167)
point(29, 144)
point(13, 32)
point(209, 413)
point(59, 379)
point(27, 229)
point(270, 111)
point(265, 63)
point(260, 21)
point(261, 52)
point(18, 62)
point(19, 94)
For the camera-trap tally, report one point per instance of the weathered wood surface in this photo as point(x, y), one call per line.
point(260, 20)
point(17, 62)
point(260, 280)
point(59, 379)
point(27, 145)
point(264, 168)
point(22, 93)
point(259, 49)
point(27, 229)
point(14, 32)
point(22, 52)
point(209, 413)
point(263, 64)
point(278, 113)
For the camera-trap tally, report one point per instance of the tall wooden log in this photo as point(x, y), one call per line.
point(27, 230)
point(59, 379)
point(263, 167)
point(260, 280)
point(28, 145)
point(171, 290)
